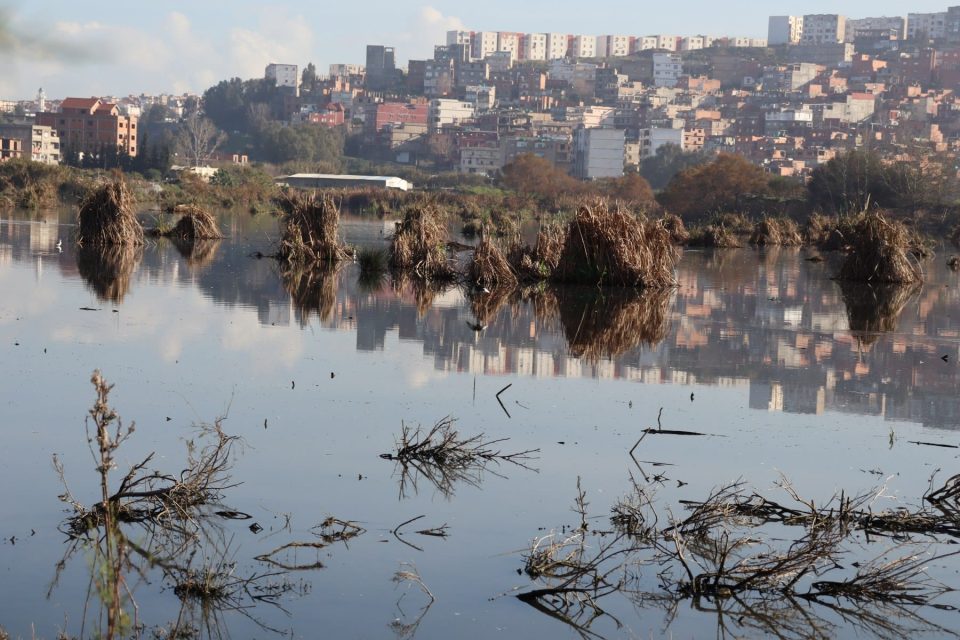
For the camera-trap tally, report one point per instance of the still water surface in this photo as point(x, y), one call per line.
point(753, 348)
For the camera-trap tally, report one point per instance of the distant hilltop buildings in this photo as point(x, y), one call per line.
point(834, 28)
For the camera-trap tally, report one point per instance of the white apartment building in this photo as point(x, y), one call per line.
point(667, 69)
point(509, 42)
point(341, 70)
point(483, 43)
point(284, 75)
point(42, 142)
point(646, 43)
point(823, 28)
point(598, 153)
point(692, 43)
point(667, 42)
point(896, 24)
point(557, 45)
point(534, 47)
point(448, 112)
point(614, 46)
point(655, 137)
point(784, 30)
point(584, 47)
point(459, 37)
point(927, 25)
point(483, 97)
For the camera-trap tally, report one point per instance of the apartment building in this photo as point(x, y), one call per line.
point(667, 69)
point(784, 30)
point(510, 42)
point(557, 46)
point(10, 148)
point(90, 125)
point(534, 47)
point(598, 153)
point(448, 112)
point(926, 25)
point(42, 143)
point(823, 28)
point(583, 47)
point(484, 43)
point(284, 75)
point(896, 25)
point(614, 46)
point(381, 68)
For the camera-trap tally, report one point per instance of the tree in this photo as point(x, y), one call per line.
point(308, 79)
point(198, 139)
point(630, 188)
point(532, 174)
point(668, 161)
point(717, 187)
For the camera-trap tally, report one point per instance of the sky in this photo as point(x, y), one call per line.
point(103, 48)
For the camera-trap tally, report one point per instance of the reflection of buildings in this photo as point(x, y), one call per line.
point(771, 325)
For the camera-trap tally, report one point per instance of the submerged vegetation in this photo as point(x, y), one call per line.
point(419, 245)
point(310, 229)
point(107, 217)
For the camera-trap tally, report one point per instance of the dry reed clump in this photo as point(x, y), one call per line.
point(604, 247)
point(955, 236)
point(419, 246)
point(873, 309)
point(537, 263)
point(195, 223)
point(313, 290)
point(106, 217)
point(489, 267)
point(608, 324)
point(675, 227)
point(714, 236)
point(879, 252)
point(781, 232)
point(108, 269)
point(310, 229)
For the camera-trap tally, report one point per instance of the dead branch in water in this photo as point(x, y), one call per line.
point(444, 457)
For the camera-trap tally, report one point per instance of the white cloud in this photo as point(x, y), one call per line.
point(279, 38)
point(428, 28)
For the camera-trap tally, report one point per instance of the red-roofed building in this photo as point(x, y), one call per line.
point(90, 125)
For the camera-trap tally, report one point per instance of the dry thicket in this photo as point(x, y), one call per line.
point(106, 217)
point(604, 247)
point(776, 232)
point(716, 236)
point(537, 263)
point(678, 231)
point(195, 223)
point(419, 245)
point(489, 267)
point(879, 251)
point(108, 269)
point(310, 228)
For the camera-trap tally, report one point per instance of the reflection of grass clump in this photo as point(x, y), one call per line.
point(874, 308)
point(108, 269)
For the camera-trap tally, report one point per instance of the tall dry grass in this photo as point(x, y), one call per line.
point(106, 217)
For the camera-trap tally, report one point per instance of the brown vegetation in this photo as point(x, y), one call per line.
point(879, 251)
point(715, 236)
point(705, 189)
point(419, 246)
point(106, 217)
point(489, 267)
point(195, 223)
point(776, 232)
point(675, 227)
point(313, 290)
point(537, 263)
point(310, 229)
point(604, 247)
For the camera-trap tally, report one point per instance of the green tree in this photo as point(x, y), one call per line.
point(717, 187)
point(668, 161)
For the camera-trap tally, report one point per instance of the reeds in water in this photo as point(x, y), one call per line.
point(537, 263)
point(716, 236)
point(879, 251)
point(604, 247)
point(310, 229)
point(780, 232)
point(106, 217)
point(313, 290)
point(675, 227)
point(489, 268)
point(419, 246)
point(195, 223)
point(873, 309)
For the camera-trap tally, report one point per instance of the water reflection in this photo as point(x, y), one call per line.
point(873, 309)
point(198, 253)
point(767, 322)
point(108, 269)
point(601, 324)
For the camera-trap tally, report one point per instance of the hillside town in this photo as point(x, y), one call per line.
point(593, 106)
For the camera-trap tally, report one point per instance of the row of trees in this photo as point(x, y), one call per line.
point(730, 183)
